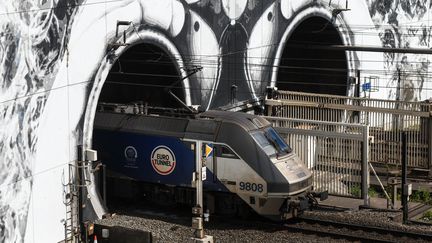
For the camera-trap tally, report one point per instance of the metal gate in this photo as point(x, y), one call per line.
point(337, 153)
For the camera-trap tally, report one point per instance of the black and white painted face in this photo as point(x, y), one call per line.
point(404, 24)
point(46, 44)
point(33, 37)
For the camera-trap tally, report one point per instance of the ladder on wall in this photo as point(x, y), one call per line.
point(70, 199)
point(72, 189)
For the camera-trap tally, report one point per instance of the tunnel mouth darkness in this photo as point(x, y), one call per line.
point(143, 73)
point(313, 70)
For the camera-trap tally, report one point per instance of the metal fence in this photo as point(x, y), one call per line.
point(337, 153)
point(386, 119)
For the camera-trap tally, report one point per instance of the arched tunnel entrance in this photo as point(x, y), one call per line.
point(143, 73)
point(317, 70)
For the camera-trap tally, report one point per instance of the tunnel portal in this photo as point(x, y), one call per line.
point(315, 70)
point(143, 73)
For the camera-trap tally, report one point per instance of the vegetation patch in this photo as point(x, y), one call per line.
point(356, 191)
point(427, 216)
point(372, 192)
point(422, 195)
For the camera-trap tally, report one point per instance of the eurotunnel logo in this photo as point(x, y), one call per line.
point(163, 160)
point(130, 154)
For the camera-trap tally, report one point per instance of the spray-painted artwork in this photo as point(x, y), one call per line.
point(33, 36)
point(57, 55)
point(404, 24)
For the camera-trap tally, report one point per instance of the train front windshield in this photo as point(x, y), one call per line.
point(271, 142)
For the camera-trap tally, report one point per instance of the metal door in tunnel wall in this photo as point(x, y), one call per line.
point(52, 53)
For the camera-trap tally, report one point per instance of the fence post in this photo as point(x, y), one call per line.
point(197, 210)
point(429, 136)
point(405, 193)
point(365, 167)
point(358, 88)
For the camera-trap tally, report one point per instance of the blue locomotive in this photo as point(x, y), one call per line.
point(250, 163)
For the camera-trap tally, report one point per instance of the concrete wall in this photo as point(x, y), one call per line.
point(55, 56)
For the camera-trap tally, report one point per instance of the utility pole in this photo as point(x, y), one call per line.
point(197, 210)
point(398, 88)
point(358, 87)
point(365, 179)
point(406, 188)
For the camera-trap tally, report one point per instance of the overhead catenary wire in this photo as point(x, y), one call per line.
point(329, 72)
point(293, 81)
point(72, 5)
point(190, 58)
point(199, 57)
point(213, 59)
point(408, 26)
point(41, 92)
point(429, 75)
point(353, 28)
point(248, 92)
point(284, 68)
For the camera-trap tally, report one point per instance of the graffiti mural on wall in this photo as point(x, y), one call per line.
point(236, 43)
point(404, 24)
point(31, 47)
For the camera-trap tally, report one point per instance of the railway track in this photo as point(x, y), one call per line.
point(415, 212)
point(306, 227)
point(354, 232)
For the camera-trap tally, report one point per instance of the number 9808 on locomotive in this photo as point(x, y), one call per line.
point(249, 165)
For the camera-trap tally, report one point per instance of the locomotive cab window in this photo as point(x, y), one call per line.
point(225, 152)
point(271, 142)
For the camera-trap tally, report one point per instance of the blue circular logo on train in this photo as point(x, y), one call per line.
point(130, 153)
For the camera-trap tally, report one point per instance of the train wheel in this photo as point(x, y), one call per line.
point(244, 211)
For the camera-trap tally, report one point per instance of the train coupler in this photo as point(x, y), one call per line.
point(321, 195)
point(312, 196)
point(291, 208)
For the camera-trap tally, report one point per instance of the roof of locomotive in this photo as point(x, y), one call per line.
point(248, 121)
point(203, 126)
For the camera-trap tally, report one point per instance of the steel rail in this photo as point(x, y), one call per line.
point(414, 212)
point(335, 235)
point(351, 231)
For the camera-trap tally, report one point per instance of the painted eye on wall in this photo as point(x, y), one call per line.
point(270, 16)
point(204, 52)
point(260, 48)
point(196, 26)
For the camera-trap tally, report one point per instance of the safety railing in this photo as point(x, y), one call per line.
point(387, 120)
point(337, 153)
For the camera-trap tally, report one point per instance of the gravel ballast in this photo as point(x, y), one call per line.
point(173, 225)
point(174, 228)
point(370, 218)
